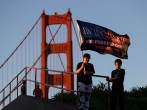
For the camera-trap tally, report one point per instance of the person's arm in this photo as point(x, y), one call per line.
point(120, 76)
point(80, 68)
point(91, 71)
point(113, 79)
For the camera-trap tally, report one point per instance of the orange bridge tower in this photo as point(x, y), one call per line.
point(65, 47)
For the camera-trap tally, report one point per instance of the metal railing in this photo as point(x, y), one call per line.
point(9, 86)
point(26, 72)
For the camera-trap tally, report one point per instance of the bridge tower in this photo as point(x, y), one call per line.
point(66, 48)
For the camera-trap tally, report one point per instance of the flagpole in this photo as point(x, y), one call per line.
point(80, 38)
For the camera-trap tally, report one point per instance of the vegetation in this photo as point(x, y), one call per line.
point(135, 99)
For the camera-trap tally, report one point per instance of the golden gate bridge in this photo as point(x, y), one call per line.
point(46, 55)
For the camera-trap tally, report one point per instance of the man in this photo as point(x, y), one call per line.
point(85, 70)
point(37, 91)
point(117, 79)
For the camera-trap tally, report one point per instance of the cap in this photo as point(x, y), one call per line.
point(86, 55)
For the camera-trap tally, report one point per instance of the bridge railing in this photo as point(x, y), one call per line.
point(105, 96)
point(32, 76)
point(12, 90)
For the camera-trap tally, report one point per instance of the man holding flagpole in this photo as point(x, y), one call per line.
point(85, 70)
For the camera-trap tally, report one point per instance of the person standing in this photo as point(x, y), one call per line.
point(37, 91)
point(23, 88)
point(117, 79)
point(85, 70)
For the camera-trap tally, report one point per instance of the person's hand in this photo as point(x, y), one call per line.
point(83, 65)
point(107, 79)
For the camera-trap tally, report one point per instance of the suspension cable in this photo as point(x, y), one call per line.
point(20, 43)
point(7, 77)
point(29, 62)
point(33, 45)
point(36, 34)
point(54, 43)
point(6, 62)
point(2, 78)
point(21, 57)
point(25, 53)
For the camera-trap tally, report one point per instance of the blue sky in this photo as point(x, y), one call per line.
point(124, 17)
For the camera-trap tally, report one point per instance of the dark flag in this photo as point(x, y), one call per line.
point(103, 40)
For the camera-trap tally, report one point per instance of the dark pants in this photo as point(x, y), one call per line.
point(117, 96)
point(84, 98)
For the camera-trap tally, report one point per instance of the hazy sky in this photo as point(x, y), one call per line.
point(122, 16)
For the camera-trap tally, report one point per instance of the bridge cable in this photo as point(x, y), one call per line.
point(12, 60)
point(20, 43)
point(58, 53)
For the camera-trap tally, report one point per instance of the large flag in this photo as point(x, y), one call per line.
point(103, 40)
